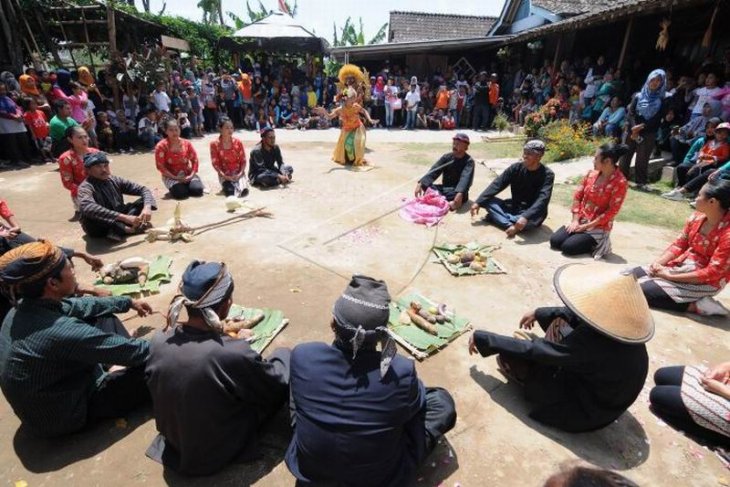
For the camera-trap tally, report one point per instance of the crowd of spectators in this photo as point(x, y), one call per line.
point(37, 107)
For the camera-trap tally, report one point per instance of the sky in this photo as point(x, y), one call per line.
point(318, 15)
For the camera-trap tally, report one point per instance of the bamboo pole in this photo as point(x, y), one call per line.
point(627, 35)
point(112, 27)
point(557, 53)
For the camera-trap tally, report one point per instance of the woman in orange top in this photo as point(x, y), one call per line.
point(71, 163)
point(177, 161)
point(229, 160)
point(595, 204)
point(350, 148)
point(696, 266)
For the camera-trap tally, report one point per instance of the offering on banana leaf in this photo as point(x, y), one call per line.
point(127, 271)
point(425, 319)
point(231, 327)
point(468, 258)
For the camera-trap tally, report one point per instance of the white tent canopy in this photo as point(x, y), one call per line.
point(278, 31)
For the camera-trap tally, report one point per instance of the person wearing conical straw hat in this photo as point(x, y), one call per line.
point(592, 363)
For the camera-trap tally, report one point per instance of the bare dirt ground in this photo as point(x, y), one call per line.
point(333, 222)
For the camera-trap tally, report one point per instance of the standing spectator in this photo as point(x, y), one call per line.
point(480, 115)
point(229, 88)
point(702, 95)
point(493, 99)
point(460, 105)
point(412, 98)
point(645, 114)
point(442, 98)
point(392, 102)
point(14, 144)
point(210, 107)
point(162, 100)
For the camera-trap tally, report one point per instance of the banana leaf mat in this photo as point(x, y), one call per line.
point(418, 342)
point(159, 273)
point(489, 265)
point(265, 331)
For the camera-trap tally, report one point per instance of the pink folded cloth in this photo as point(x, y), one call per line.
point(427, 209)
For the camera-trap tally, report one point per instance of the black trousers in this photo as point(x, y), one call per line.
point(666, 402)
point(699, 178)
point(98, 229)
point(440, 415)
point(643, 153)
point(119, 392)
point(15, 147)
point(182, 191)
point(572, 243)
point(481, 116)
point(655, 295)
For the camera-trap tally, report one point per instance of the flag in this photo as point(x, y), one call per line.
point(283, 7)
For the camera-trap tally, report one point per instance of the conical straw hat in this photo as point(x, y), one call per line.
point(607, 300)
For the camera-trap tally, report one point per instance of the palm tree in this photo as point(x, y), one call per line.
point(211, 10)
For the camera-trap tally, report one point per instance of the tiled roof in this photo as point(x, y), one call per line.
point(420, 26)
point(574, 7)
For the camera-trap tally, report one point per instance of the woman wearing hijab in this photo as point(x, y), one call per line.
point(592, 362)
point(644, 117)
point(11, 83)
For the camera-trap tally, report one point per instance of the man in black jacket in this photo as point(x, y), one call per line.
point(457, 171)
point(531, 184)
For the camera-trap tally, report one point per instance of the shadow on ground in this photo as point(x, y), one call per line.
point(48, 455)
point(620, 446)
point(253, 464)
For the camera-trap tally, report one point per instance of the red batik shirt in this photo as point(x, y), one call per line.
point(184, 161)
point(710, 253)
point(4, 210)
point(72, 170)
point(229, 161)
point(601, 201)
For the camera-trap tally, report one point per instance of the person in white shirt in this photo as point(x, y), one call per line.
point(162, 100)
point(413, 98)
point(147, 129)
point(704, 94)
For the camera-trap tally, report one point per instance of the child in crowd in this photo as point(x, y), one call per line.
point(448, 122)
point(125, 133)
point(262, 121)
point(39, 129)
point(186, 129)
point(147, 130)
point(421, 119)
point(434, 119)
point(105, 134)
point(249, 120)
point(89, 122)
point(303, 122)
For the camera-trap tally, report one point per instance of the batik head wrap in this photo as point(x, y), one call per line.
point(650, 101)
point(204, 285)
point(28, 86)
point(29, 264)
point(361, 316)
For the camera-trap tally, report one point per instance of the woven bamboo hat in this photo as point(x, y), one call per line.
point(607, 300)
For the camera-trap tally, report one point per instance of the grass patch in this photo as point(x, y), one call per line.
point(502, 149)
point(639, 207)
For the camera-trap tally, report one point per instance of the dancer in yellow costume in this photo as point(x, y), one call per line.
point(350, 148)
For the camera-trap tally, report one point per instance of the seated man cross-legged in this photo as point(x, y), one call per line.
point(210, 393)
point(592, 363)
point(101, 201)
point(531, 184)
point(457, 169)
point(361, 416)
point(55, 349)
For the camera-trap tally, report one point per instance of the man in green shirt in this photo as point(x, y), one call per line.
point(59, 125)
point(52, 346)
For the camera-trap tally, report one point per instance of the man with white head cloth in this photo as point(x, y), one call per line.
point(210, 393)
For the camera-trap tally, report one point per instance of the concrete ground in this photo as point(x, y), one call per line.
point(333, 222)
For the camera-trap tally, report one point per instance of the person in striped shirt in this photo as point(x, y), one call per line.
point(53, 346)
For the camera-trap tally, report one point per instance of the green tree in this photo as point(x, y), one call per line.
point(212, 11)
point(256, 15)
point(351, 36)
